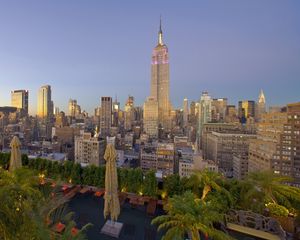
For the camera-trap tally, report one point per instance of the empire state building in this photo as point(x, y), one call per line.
point(160, 89)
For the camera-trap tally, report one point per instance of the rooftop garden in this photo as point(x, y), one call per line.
point(193, 205)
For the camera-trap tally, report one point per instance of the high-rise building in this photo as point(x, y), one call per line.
point(160, 83)
point(204, 112)
point(261, 104)
point(74, 108)
point(218, 112)
point(106, 116)
point(129, 113)
point(115, 113)
point(231, 114)
point(185, 112)
point(19, 99)
point(151, 117)
point(286, 160)
point(45, 104)
point(262, 149)
point(246, 110)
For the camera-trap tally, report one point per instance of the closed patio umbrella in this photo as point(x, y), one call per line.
point(15, 155)
point(112, 204)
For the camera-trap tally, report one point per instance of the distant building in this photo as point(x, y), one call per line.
point(74, 108)
point(246, 110)
point(160, 89)
point(185, 112)
point(129, 113)
point(231, 114)
point(106, 116)
point(151, 117)
point(261, 105)
point(19, 99)
point(45, 104)
point(204, 112)
point(89, 150)
point(218, 112)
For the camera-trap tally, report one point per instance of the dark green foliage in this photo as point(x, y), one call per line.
point(76, 174)
point(172, 185)
point(4, 160)
point(123, 178)
point(99, 177)
point(25, 159)
point(135, 180)
point(150, 184)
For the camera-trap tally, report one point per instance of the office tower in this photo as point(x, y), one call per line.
point(204, 112)
point(261, 105)
point(129, 113)
point(74, 108)
point(89, 150)
point(262, 149)
point(231, 114)
point(218, 111)
point(19, 99)
point(150, 117)
point(106, 116)
point(246, 110)
point(185, 112)
point(115, 113)
point(286, 160)
point(160, 83)
point(45, 104)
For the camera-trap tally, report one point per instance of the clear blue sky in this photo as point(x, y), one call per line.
point(87, 49)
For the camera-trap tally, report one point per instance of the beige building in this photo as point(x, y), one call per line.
point(151, 117)
point(160, 89)
point(89, 150)
point(221, 148)
point(286, 160)
point(159, 157)
point(240, 166)
point(262, 149)
point(106, 116)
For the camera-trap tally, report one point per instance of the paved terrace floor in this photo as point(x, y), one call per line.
point(89, 209)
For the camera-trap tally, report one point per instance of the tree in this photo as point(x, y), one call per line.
point(207, 181)
point(76, 173)
point(187, 214)
point(272, 188)
point(19, 197)
point(150, 184)
point(172, 185)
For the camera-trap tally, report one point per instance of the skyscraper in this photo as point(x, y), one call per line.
point(185, 112)
point(106, 116)
point(160, 82)
point(204, 111)
point(151, 117)
point(246, 109)
point(261, 105)
point(19, 99)
point(45, 104)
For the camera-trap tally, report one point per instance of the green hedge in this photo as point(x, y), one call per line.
point(130, 180)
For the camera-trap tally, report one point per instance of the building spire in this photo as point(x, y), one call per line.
point(160, 41)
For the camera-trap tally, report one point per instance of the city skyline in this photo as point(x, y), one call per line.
point(230, 50)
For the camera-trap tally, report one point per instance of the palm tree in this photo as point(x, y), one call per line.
point(189, 215)
point(19, 197)
point(272, 187)
point(209, 181)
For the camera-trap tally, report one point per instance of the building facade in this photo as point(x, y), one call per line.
point(45, 104)
point(19, 99)
point(106, 116)
point(89, 150)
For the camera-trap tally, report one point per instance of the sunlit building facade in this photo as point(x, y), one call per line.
point(45, 104)
point(19, 99)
